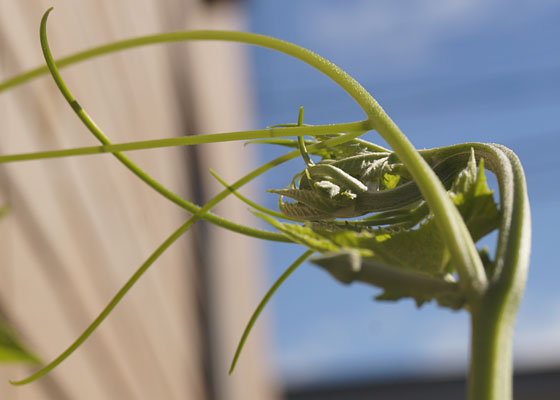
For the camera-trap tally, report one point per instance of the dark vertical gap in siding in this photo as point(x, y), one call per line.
point(175, 18)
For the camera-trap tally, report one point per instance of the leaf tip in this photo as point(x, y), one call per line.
point(46, 14)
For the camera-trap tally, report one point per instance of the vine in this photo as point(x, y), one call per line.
point(404, 220)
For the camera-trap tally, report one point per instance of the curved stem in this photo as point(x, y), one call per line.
point(92, 127)
point(90, 124)
point(493, 315)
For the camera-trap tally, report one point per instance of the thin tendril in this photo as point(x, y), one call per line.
point(251, 203)
point(315, 130)
point(107, 310)
point(264, 302)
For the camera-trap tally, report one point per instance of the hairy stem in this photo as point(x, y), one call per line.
point(493, 315)
point(490, 376)
point(490, 373)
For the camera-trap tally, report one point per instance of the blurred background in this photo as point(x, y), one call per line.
point(445, 71)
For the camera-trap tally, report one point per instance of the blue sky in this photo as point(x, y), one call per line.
point(446, 72)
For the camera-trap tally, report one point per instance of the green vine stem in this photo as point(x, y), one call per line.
point(490, 376)
point(493, 314)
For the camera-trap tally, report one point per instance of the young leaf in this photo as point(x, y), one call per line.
point(417, 250)
point(475, 200)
